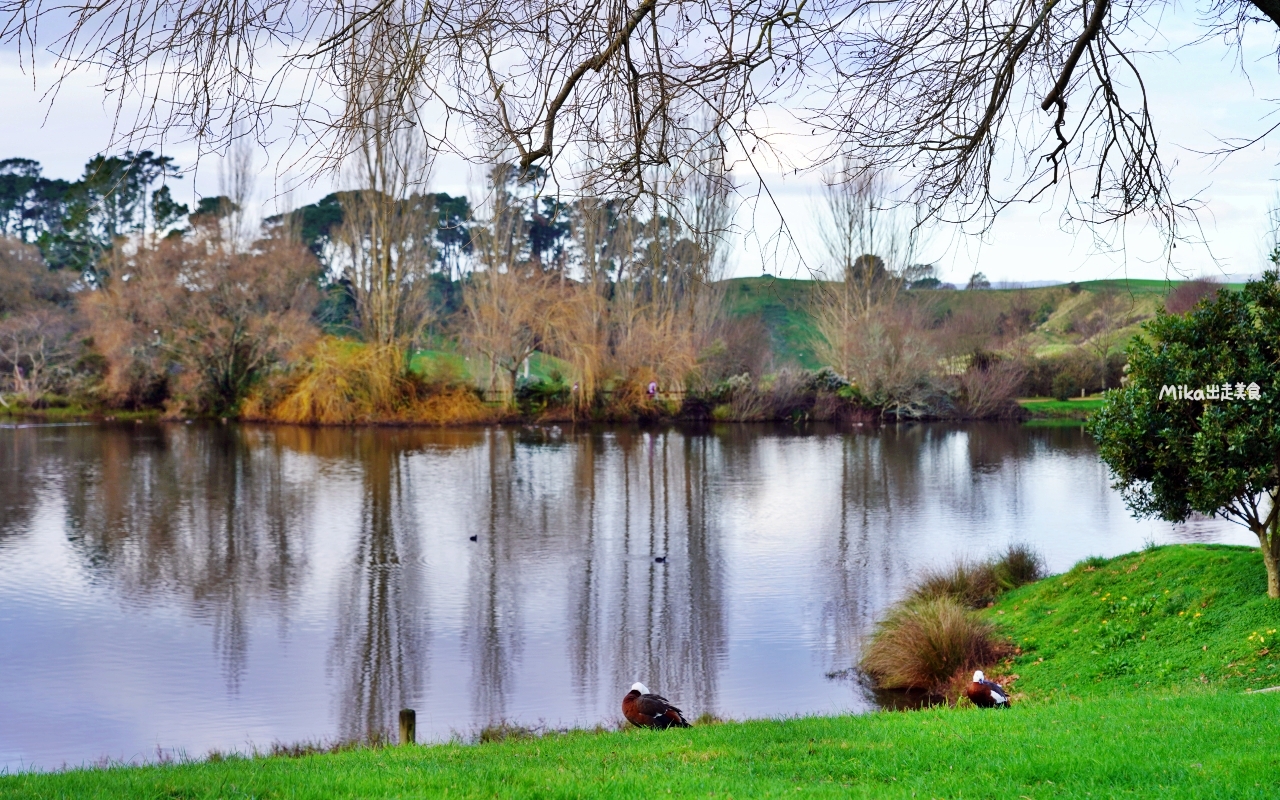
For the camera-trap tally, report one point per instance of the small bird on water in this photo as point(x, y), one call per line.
point(986, 694)
point(474, 538)
point(660, 560)
point(644, 709)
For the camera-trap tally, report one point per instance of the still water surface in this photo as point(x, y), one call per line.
point(173, 589)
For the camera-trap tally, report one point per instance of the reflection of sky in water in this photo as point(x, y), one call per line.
point(192, 588)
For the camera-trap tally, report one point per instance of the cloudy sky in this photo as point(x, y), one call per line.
point(1200, 97)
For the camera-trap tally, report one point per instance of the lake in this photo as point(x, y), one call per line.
point(171, 589)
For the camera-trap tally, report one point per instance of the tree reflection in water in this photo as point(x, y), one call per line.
point(378, 649)
point(203, 515)
point(583, 518)
point(28, 466)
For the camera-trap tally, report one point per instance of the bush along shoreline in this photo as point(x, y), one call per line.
point(1165, 650)
point(933, 640)
point(344, 383)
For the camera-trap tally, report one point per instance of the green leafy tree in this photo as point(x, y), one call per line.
point(1173, 454)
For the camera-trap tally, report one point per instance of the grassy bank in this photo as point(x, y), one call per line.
point(1130, 685)
point(1195, 745)
point(1169, 618)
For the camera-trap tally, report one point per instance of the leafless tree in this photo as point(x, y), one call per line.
point(870, 239)
point(203, 322)
point(237, 180)
point(507, 301)
point(954, 95)
point(1100, 329)
point(385, 241)
point(869, 243)
point(37, 348)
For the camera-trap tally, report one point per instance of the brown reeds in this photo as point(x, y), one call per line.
point(977, 584)
point(930, 640)
point(924, 643)
point(343, 383)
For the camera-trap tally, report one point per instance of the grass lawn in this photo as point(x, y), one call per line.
point(1074, 408)
point(1196, 745)
point(1131, 681)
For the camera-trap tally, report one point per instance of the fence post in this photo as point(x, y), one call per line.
point(408, 725)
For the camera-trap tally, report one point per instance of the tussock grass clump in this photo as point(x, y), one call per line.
point(932, 638)
point(507, 731)
point(343, 382)
point(977, 585)
point(924, 643)
point(305, 748)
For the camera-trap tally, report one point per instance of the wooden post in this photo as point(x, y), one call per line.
point(408, 725)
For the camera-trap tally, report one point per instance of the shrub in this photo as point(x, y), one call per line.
point(976, 585)
point(989, 387)
point(924, 643)
point(1066, 374)
point(198, 325)
point(342, 382)
point(1184, 296)
point(535, 395)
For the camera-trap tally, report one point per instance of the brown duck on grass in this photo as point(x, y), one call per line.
point(646, 710)
point(986, 694)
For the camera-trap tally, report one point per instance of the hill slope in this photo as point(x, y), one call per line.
point(1047, 319)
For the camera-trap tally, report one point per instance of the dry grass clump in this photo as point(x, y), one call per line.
point(343, 382)
point(302, 749)
point(508, 731)
point(976, 585)
point(924, 643)
point(932, 639)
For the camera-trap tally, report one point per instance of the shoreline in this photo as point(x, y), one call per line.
point(1159, 648)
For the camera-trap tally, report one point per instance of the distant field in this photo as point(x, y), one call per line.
point(782, 304)
point(1047, 407)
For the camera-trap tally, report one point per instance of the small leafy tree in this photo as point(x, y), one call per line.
point(1174, 454)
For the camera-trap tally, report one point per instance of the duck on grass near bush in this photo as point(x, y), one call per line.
point(932, 642)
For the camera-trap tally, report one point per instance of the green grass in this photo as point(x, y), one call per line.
point(541, 365)
point(1195, 745)
point(783, 305)
point(1169, 618)
point(1074, 409)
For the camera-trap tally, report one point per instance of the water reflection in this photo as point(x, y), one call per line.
point(209, 520)
point(381, 631)
point(323, 579)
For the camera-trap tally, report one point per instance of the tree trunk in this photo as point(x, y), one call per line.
point(1270, 542)
point(515, 372)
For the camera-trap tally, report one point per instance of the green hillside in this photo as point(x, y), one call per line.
point(783, 306)
point(1045, 320)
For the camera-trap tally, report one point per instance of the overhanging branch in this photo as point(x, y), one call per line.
point(548, 129)
point(1090, 30)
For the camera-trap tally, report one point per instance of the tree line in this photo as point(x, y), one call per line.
point(386, 301)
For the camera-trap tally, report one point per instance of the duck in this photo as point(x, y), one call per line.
point(987, 694)
point(645, 709)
